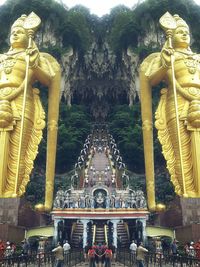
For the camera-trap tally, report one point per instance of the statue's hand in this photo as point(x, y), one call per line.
point(33, 57)
point(167, 56)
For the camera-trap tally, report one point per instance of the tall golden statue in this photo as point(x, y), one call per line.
point(178, 113)
point(21, 113)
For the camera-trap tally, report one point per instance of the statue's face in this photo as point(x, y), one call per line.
point(100, 198)
point(181, 37)
point(18, 38)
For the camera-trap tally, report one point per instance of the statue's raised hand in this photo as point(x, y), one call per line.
point(33, 54)
point(167, 55)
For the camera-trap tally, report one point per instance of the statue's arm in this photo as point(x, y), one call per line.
point(43, 71)
point(156, 71)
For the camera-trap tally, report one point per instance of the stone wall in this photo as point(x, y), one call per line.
point(190, 210)
point(9, 210)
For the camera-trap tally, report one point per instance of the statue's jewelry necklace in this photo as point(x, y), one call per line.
point(9, 60)
point(191, 61)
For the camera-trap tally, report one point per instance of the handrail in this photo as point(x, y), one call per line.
point(42, 259)
point(106, 233)
point(94, 233)
point(73, 229)
point(128, 259)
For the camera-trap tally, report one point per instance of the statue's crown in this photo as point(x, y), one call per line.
point(180, 22)
point(19, 22)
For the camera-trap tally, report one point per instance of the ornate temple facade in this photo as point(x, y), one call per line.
point(99, 206)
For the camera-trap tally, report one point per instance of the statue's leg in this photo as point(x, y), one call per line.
point(168, 137)
point(195, 150)
point(24, 163)
point(185, 140)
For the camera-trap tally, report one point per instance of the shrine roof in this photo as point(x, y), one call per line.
point(129, 213)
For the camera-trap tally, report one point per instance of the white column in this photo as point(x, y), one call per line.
point(144, 229)
point(143, 222)
point(84, 222)
point(55, 236)
point(115, 222)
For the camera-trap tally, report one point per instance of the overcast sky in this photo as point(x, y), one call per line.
point(102, 7)
point(99, 7)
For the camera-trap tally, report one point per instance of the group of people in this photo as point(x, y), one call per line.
point(138, 252)
point(7, 249)
point(62, 253)
point(175, 248)
point(192, 249)
point(99, 255)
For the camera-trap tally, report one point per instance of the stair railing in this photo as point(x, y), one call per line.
point(106, 233)
point(94, 233)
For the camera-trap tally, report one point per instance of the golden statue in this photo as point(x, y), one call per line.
point(21, 113)
point(177, 118)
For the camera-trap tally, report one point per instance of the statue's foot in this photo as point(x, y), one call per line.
point(42, 208)
point(10, 194)
point(14, 195)
point(157, 207)
point(160, 207)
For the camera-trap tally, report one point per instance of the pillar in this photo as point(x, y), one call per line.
point(84, 222)
point(115, 222)
point(55, 236)
point(142, 231)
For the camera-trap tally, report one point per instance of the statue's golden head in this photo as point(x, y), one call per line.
point(181, 34)
point(19, 35)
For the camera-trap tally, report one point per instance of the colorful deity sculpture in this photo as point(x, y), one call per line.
point(177, 118)
point(22, 117)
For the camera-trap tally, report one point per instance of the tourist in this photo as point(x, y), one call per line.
point(187, 248)
point(140, 255)
point(25, 247)
point(133, 248)
point(91, 257)
point(2, 249)
point(86, 249)
point(174, 247)
point(66, 248)
point(192, 250)
point(59, 255)
point(13, 248)
point(100, 254)
point(8, 251)
point(112, 246)
point(108, 257)
point(197, 249)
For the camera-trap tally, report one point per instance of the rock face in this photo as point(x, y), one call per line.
point(100, 78)
point(97, 78)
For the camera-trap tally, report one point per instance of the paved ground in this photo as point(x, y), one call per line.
point(114, 264)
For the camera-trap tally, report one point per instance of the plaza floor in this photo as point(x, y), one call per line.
point(114, 264)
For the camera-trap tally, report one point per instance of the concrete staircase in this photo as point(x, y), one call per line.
point(123, 235)
point(77, 235)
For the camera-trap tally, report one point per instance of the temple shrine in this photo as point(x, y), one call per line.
point(99, 206)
